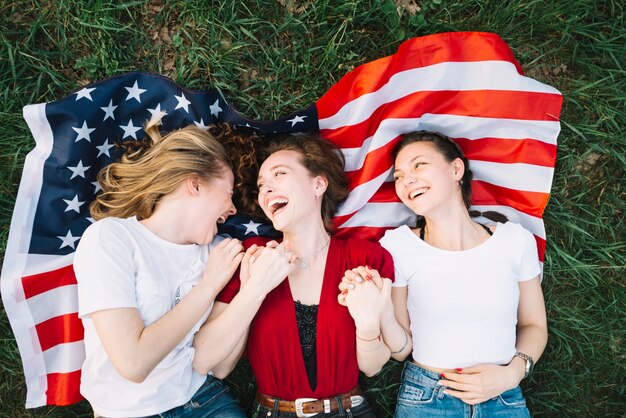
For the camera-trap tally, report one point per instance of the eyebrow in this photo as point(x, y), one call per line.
point(272, 169)
point(410, 162)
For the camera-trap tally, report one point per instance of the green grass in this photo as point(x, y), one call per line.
point(273, 59)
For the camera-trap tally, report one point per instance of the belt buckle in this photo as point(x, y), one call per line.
point(299, 412)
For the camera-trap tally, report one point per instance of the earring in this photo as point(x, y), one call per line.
point(461, 182)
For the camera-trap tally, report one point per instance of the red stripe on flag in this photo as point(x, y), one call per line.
point(500, 150)
point(369, 233)
point(61, 329)
point(43, 282)
point(385, 194)
point(541, 247)
point(63, 388)
point(415, 53)
point(531, 203)
point(493, 104)
point(376, 163)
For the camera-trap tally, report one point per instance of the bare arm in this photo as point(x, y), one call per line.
point(221, 340)
point(477, 384)
point(135, 349)
point(395, 325)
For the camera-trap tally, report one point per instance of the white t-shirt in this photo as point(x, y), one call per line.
point(463, 304)
point(119, 263)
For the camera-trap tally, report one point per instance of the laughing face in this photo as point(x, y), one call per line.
point(287, 191)
point(424, 179)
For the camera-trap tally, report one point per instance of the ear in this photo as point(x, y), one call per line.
point(321, 184)
point(459, 168)
point(192, 185)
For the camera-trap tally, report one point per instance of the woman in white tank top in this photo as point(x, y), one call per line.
point(467, 298)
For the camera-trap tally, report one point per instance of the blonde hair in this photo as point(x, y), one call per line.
point(154, 168)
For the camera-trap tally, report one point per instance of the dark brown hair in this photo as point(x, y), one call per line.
point(450, 150)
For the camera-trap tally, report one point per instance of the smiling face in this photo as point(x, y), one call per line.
point(288, 193)
point(214, 205)
point(425, 180)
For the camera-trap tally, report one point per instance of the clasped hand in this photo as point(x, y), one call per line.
point(477, 384)
point(365, 294)
point(266, 267)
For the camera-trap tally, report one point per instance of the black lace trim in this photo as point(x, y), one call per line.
point(306, 317)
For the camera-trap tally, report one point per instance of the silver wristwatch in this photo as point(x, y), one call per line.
point(530, 363)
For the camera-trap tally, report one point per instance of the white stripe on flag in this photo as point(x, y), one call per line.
point(532, 223)
point(395, 214)
point(469, 127)
point(361, 194)
point(452, 76)
point(525, 177)
point(56, 302)
point(65, 358)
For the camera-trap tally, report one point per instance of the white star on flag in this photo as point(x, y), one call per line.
point(134, 92)
point(108, 111)
point(183, 103)
point(84, 94)
point(90, 219)
point(78, 170)
point(130, 130)
point(68, 240)
point(73, 204)
point(104, 148)
point(83, 132)
point(157, 112)
point(215, 108)
point(201, 125)
point(296, 119)
point(97, 186)
point(252, 227)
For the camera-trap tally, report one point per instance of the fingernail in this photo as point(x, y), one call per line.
point(459, 370)
point(343, 292)
point(440, 383)
point(368, 277)
point(359, 279)
point(368, 267)
point(443, 376)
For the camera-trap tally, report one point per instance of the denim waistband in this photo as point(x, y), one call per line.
point(417, 374)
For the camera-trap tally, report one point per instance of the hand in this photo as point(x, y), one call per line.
point(366, 295)
point(477, 384)
point(252, 253)
point(222, 263)
point(271, 267)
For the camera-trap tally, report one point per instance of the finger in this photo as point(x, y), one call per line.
point(456, 377)
point(375, 276)
point(473, 370)
point(287, 245)
point(341, 298)
point(353, 276)
point(467, 397)
point(223, 243)
point(346, 286)
point(271, 244)
point(455, 385)
point(386, 290)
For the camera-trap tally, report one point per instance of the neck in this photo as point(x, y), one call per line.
point(453, 230)
point(308, 240)
point(166, 223)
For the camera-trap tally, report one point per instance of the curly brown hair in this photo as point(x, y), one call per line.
point(319, 156)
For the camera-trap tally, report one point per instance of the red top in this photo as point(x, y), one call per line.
point(274, 348)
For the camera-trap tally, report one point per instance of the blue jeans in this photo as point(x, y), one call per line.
point(421, 396)
point(213, 399)
point(364, 410)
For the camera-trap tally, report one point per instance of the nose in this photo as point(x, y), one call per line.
point(266, 188)
point(408, 180)
point(232, 209)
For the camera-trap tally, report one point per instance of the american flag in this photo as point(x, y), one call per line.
point(467, 85)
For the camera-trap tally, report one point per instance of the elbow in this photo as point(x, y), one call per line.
point(222, 372)
point(400, 356)
point(200, 367)
point(373, 371)
point(132, 371)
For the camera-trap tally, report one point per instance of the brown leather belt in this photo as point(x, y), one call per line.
point(308, 407)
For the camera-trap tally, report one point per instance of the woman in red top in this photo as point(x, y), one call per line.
point(305, 349)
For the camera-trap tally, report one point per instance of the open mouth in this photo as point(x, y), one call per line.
point(277, 204)
point(417, 192)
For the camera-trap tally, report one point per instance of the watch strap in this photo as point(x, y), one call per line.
point(530, 363)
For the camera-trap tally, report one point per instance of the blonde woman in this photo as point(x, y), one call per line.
point(148, 272)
